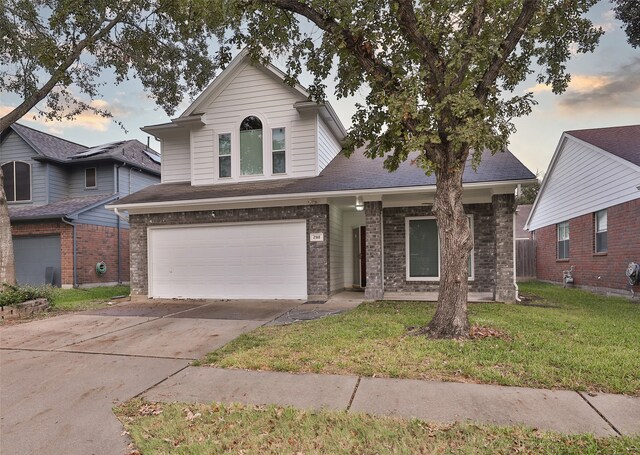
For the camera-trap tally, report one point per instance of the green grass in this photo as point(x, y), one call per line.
point(180, 428)
point(85, 298)
point(584, 342)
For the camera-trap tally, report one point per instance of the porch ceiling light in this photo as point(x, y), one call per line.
point(359, 204)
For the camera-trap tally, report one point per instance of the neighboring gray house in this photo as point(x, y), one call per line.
point(257, 201)
point(57, 190)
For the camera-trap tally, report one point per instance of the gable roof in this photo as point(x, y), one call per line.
point(343, 174)
point(594, 147)
point(52, 148)
point(69, 208)
point(622, 141)
point(193, 113)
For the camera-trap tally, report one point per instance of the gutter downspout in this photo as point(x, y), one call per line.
point(75, 251)
point(118, 166)
point(515, 283)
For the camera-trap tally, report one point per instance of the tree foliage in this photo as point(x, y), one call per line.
point(54, 53)
point(628, 11)
point(529, 193)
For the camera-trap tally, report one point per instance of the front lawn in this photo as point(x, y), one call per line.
point(85, 298)
point(180, 428)
point(570, 339)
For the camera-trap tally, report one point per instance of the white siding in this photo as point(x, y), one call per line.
point(336, 249)
point(253, 92)
point(328, 146)
point(351, 220)
point(176, 160)
point(584, 180)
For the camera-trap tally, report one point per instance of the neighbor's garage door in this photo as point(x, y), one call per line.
point(37, 259)
point(231, 261)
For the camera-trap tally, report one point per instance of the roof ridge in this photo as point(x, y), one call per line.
point(603, 128)
point(50, 135)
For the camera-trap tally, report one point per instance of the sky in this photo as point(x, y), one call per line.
point(604, 91)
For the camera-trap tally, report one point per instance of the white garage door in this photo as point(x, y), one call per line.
point(230, 261)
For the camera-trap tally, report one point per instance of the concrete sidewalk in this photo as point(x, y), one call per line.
point(557, 410)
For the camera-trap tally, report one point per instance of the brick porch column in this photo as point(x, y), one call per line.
point(373, 220)
point(138, 255)
point(503, 210)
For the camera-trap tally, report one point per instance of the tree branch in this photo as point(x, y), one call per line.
point(409, 24)
point(529, 8)
point(475, 25)
point(40, 94)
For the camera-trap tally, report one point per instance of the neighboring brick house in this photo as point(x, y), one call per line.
point(57, 191)
point(587, 213)
point(257, 201)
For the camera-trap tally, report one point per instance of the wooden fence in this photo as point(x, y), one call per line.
point(526, 258)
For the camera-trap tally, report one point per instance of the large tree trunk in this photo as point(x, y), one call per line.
point(7, 266)
point(450, 320)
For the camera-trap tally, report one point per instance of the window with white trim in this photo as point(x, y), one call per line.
point(278, 151)
point(224, 155)
point(423, 249)
point(601, 231)
point(17, 181)
point(563, 240)
point(90, 178)
point(251, 159)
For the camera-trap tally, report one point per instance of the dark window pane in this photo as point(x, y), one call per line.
point(7, 171)
point(279, 165)
point(423, 249)
point(225, 167)
point(251, 123)
point(90, 177)
point(563, 249)
point(23, 181)
point(601, 242)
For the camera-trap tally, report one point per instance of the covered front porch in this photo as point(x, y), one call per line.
point(389, 247)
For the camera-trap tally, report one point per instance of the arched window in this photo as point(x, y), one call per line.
point(251, 146)
point(17, 181)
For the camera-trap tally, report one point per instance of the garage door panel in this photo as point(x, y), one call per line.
point(229, 261)
point(33, 255)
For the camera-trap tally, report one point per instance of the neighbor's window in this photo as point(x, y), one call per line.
point(224, 155)
point(278, 151)
point(251, 146)
point(90, 178)
point(563, 240)
point(601, 231)
point(17, 181)
point(423, 249)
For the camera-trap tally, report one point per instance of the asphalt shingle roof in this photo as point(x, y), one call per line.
point(131, 151)
point(622, 141)
point(64, 207)
point(355, 173)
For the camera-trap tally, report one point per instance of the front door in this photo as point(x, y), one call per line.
point(359, 257)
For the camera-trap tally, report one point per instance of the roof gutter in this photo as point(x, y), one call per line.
point(305, 196)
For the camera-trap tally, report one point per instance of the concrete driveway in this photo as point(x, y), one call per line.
point(60, 377)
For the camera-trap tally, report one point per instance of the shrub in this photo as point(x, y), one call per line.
point(13, 295)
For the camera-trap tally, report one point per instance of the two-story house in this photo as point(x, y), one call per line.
point(56, 191)
point(587, 213)
point(257, 201)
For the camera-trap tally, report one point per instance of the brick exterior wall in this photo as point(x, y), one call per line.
point(503, 219)
point(316, 216)
point(623, 247)
point(395, 270)
point(373, 220)
point(37, 228)
point(94, 244)
point(100, 244)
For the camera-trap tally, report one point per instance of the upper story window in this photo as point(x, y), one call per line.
point(278, 151)
point(90, 178)
point(17, 181)
point(251, 146)
point(224, 155)
point(563, 240)
point(601, 231)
